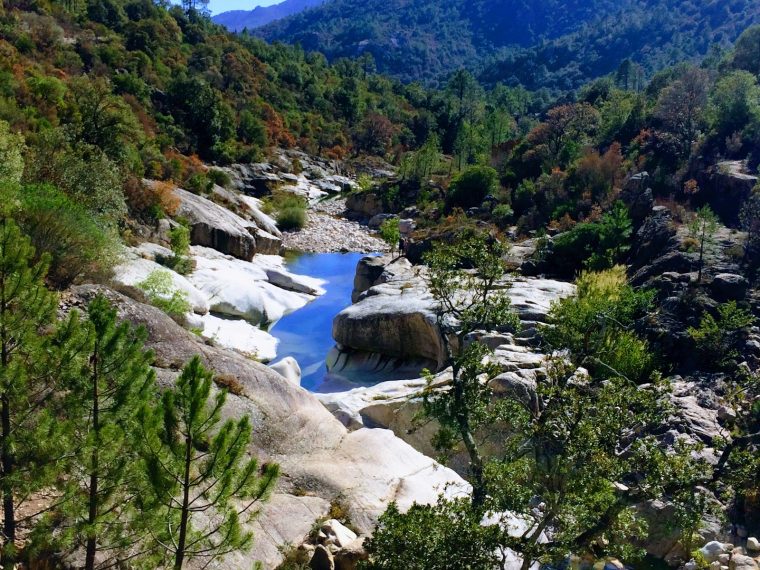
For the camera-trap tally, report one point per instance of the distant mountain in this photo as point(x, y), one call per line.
point(558, 44)
point(237, 20)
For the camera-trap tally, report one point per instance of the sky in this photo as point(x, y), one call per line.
point(217, 6)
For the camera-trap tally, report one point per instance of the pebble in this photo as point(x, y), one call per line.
point(326, 231)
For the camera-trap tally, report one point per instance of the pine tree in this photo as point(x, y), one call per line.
point(703, 228)
point(198, 468)
point(27, 431)
point(110, 383)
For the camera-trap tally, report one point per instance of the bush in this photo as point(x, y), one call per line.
point(432, 537)
point(718, 339)
point(502, 215)
point(160, 292)
point(219, 177)
point(470, 187)
point(289, 210)
point(595, 326)
point(390, 232)
point(292, 218)
point(77, 244)
point(154, 200)
point(596, 245)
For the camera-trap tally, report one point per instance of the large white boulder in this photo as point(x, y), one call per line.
point(241, 289)
point(289, 369)
point(240, 335)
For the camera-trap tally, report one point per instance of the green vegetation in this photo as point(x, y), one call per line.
point(82, 425)
point(196, 464)
point(702, 229)
point(289, 210)
point(108, 381)
point(556, 44)
point(471, 186)
point(717, 339)
point(596, 326)
point(160, 292)
point(558, 464)
point(390, 232)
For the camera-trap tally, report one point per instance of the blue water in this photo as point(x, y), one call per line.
point(306, 334)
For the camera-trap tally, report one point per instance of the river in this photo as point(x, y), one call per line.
point(306, 334)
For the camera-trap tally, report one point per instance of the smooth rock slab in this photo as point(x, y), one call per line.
point(240, 335)
point(321, 462)
point(241, 289)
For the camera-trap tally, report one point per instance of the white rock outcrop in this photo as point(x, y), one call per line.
point(242, 289)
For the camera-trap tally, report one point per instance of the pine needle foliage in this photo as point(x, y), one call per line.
point(204, 485)
point(28, 432)
point(109, 381)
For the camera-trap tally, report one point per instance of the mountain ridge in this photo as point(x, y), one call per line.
point(510, 41)
point(238, 20)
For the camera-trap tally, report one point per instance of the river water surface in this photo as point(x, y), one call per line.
point(306, 334)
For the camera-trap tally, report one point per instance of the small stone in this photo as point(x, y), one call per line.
point(753, 544)
point(690, 565)
point(742, 562)
point(715, 565)
point(322, 559)
point(726, 414)
point(724, 559)
point(713, 550)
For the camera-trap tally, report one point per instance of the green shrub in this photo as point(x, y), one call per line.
point(179, 238)
point(471, 186)
point(160, 292)
point(219, 177)
point(596, 324)
point(291, 218)
point(390, 232)
point(717, 339)
point(77, 244)
point(595, 245)
point(288, 209)
point(502, 215)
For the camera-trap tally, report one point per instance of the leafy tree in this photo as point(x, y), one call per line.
point(432, 537)
point(703, 228)
point(100, 119)
point(746, 54)
point(28, 432)
point(390, 232)
point(470, 187)
point(108, 384)
point(81, 171)
point(198, 467)
point(734, 103)
point(423, 163)
point(681, 106)
point(468, 300)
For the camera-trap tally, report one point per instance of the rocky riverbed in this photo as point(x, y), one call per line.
point(328, 231)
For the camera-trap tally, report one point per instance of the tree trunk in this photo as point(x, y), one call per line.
point(179, 560)
point(9, 514)
point(92, 515)
point(6, 459)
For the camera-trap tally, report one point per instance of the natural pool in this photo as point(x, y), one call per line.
point(306, 334)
